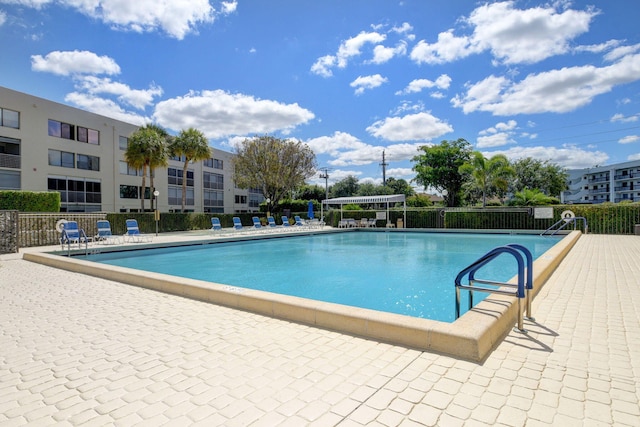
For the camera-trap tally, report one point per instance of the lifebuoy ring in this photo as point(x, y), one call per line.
point(60, 225)
point(567, 215)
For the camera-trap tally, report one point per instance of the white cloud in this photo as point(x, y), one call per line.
point(420, 126)
point(3, 17)
point(405, 28)
point(135, 97)
point(494, 140)
point(598, 48)
point(382, 54)
point(621, 118)
point(621, 51)
point(417, 85)
point(448, 48)
point(518, 36)
point(634, 157)
point(348, 48)
point(513, 36)
point(219, 114)
point(363, 83)
point(347, 150)
point(105, 107)
point(558, 91)
point(570, 157)
point(498, 135)
point(177, 18)
point(629, 139)
point(229, 7)
point(75, 62)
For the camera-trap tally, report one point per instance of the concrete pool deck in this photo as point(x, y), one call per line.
point(81, 350)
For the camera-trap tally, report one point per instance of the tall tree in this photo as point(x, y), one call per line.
point(400, 186)
point(489, 175)
point(346, 187)
point(273, 165)
point(545, 176)
point(438, 167)
point(147, 150)
point(193, 146)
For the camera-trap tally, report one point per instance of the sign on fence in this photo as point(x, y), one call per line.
point(543, 213)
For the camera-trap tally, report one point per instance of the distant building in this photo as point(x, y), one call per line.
point(47, 146)
point(613, 183)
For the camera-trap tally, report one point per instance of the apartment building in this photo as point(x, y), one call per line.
point(613, 183)
point(47, 146)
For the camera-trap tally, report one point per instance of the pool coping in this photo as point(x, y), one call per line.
point(471, 337)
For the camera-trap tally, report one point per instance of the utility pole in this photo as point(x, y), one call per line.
point(384, 165)
point(325, 175)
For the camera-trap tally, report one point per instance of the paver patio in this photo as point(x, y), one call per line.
point(76, 350)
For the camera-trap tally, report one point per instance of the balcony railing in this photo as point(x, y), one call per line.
point(9, 161)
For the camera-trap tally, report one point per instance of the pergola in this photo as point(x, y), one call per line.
point(387, 199)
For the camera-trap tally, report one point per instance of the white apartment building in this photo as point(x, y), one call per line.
point(613, 183)
point(47, 146)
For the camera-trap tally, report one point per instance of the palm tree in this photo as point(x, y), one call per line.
point(528, 197)
point(489, 174)
point(147, 150)
point(194, 146)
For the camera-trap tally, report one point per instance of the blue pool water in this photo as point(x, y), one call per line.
point(406, 273)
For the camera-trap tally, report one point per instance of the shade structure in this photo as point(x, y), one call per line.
point(310, 211)
point(386, 199)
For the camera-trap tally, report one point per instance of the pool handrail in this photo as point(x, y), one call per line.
point(515, 250)
point(566, 221)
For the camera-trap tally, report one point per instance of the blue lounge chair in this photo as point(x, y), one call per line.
point(104, 234)
point(237, 224)
point(299, 221)
point(285, 223)
point(256, 224)
point(272, 222)
point(133, 233)
point(215, 224)
point(71, 234)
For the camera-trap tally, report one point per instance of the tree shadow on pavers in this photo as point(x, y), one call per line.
point(527, 340)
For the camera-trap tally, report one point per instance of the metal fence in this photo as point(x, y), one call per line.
point(39, 229)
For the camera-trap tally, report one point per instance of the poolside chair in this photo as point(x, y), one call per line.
point(285, 223)
point(272, 223)
point(215, 225)
point(71, 234)
point(257, 225)
point(104, 234)
point(237, 224)
point(133, 233)
point(372, 223)
point(300, 222)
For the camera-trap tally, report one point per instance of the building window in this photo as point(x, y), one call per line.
point(126, 169)
point(86, 162)
point(255, 200)
point(213, 201)
point(89, 136)
point(61, 158)
point(123, 142)
point(213, 163)
point(9, 180)
point(213, 181)
point(175, 177)
point(9, 118)
point(129, 192)
point(61, 130)
point(241, 200)
point(175, 196)
point(9, 153)
point(77, 195)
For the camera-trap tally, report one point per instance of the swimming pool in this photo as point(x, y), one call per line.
point(403, 272)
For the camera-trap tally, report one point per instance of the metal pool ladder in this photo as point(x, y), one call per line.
point(566, 221)
point(521, 290)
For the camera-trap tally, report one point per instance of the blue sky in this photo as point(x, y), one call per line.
point(556, 80)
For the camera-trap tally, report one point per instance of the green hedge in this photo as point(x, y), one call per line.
point(30, 201)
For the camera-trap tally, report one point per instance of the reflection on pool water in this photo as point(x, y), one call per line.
point(405, 273)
